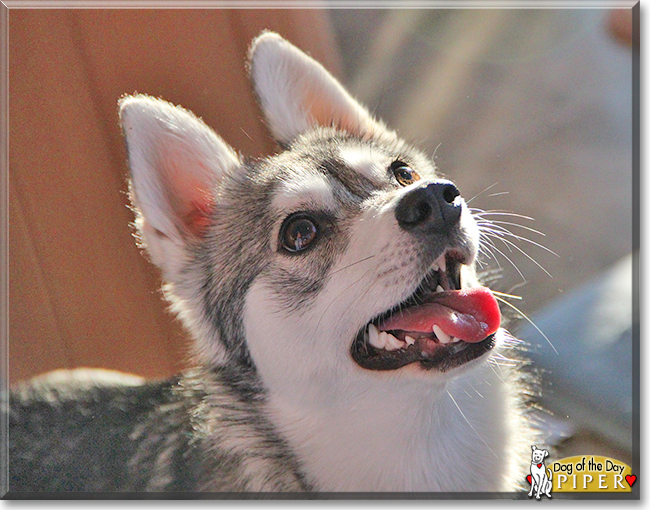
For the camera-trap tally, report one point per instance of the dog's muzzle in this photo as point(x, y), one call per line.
point(441, 325)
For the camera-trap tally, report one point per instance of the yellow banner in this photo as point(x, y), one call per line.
point(591, 473)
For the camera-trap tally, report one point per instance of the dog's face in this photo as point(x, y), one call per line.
point(366, 251)
point(344, 254)
point(538, 455)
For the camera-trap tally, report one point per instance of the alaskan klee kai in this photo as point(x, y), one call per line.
point(342, 341)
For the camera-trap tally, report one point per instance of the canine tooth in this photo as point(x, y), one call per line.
point(435, 267)
point(439, 288)
point(374, 338)
point(442, 262)
point(443, 337)
point(409, 340)
point(455, 340)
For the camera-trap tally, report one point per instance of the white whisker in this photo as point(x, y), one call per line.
point(507, 242)
point(479, 194)
point(505, 213)
point(471, 426)
point(503, 294)
point(509, 260)
point(499, 230)
point(501, 222)
point(529, 320)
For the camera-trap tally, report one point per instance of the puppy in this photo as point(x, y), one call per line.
point(342, 341)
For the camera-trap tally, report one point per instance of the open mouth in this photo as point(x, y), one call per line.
point(441, 326)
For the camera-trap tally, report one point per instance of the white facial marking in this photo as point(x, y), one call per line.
point(304, 191)
point(364, 161)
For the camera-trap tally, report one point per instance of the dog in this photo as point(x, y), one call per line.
point(342, 341)
point(540, 479)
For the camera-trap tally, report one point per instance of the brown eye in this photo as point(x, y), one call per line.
point(404, 175)
point(297, 233)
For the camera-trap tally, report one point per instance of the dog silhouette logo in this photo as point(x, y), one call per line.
point(540, 477)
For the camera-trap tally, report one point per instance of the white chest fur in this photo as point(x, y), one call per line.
point(405, 436)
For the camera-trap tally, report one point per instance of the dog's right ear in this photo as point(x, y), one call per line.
point(175, 162)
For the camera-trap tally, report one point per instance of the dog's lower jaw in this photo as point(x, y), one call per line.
point(396, 435)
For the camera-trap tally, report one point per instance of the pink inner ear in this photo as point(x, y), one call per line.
point(329, 110)
point(188, 181)
point(198, 217)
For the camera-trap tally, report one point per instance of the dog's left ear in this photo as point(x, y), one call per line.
point(296, 93)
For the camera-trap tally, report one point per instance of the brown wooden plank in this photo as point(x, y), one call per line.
point(61, 167)
point(187, 57)
point(37, 343)
point(309, 29)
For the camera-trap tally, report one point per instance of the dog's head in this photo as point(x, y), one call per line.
point(538, 455)
point(345, 253)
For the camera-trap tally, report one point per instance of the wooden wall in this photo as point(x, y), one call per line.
point(80, 293)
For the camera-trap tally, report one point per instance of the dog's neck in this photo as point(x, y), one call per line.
point(394, 435)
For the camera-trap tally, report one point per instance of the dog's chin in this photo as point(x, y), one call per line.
point(379, 347)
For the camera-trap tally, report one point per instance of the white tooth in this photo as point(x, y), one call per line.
point(409, 340)
point(455, 340)
point(435, 267)
point(392, 343)
point(443, 337)
point(439, 288)
point(374, 338)
point(442, 262)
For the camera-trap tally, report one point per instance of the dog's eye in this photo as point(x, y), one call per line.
point(404, 174)
point(297, 233)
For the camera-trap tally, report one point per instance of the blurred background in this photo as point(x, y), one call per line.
point(528, 111)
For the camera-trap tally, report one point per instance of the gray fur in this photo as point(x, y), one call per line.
point(67, 435)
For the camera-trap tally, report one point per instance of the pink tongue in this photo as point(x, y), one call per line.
point(470, 314)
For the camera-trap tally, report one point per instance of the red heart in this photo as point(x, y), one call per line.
point(539, 465)
point(530, 479)
point(630, 479)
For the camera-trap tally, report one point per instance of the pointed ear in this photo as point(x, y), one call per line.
point(175, 162)
point(296, 93)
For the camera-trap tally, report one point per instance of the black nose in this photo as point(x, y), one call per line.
point(430, 206)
